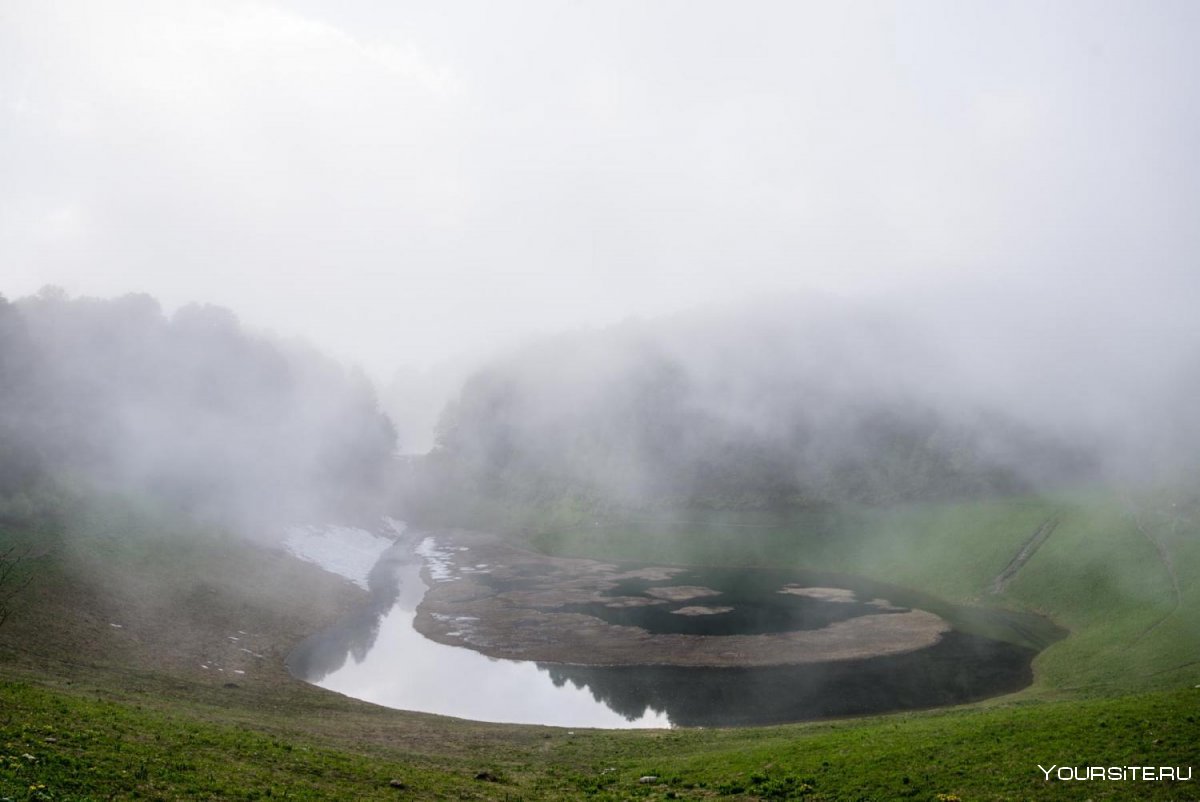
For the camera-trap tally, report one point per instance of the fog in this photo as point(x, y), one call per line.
point(404, 185)
point(881, 288)
point(800, 402)
point(188, 412)
point(973, 217)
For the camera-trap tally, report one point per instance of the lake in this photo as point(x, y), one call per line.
point(377, 655)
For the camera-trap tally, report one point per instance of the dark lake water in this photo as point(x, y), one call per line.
point(749, 604)
point(377, 656)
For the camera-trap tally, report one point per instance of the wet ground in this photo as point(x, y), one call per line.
point(489, 595)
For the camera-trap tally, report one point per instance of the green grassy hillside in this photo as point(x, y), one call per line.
point(90, 711)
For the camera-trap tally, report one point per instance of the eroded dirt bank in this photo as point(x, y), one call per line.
point(507, 602)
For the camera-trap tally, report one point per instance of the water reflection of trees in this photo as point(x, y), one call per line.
point(959, 668)
point(354, 636)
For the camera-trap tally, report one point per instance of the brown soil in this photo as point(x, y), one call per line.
point(519, 615)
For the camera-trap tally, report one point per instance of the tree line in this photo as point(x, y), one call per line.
point(191, 409)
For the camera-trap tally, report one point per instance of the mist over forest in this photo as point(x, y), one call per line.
point(975, 245)
point(797, 403)
point(395, 397)
point(789, 404)
point(190, 409)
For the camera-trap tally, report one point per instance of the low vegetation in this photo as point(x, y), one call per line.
point(104, 691)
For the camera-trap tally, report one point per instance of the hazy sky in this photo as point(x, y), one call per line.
point(400, 182)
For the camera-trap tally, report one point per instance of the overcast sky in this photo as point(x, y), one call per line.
point(402, 182)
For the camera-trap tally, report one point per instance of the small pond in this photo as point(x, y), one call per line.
point(378, 656)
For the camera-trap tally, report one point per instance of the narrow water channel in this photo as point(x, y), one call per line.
point(406, 670)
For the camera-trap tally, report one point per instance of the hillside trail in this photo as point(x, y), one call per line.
point(1164, 556)
point(1027, 550)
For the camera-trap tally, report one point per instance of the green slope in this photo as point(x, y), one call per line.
point(128, 713)
point(80, 742)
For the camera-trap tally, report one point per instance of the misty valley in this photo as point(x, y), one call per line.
point(601, 400)
point(749, 554)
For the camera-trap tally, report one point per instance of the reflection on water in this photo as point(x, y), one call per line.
point(405, 670)
point(378, 656)
point(959, 668)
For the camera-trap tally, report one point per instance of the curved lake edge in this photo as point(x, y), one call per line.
point(519, 604)
point(722, 695)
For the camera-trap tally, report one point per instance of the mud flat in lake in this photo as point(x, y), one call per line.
point(507, 602)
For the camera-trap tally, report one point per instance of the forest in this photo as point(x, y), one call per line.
point(192, 410)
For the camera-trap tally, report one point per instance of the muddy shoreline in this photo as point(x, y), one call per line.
point(507, 602)
point(583, 642)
